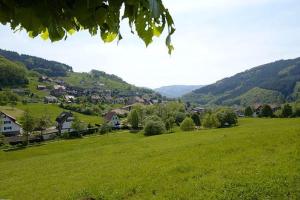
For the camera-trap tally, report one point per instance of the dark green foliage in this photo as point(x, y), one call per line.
point(226, 117)
point(180, 116)
point(49, 68)
point(154, 128)
point(211, 121)
point(196, 118)
point(287, 111)
point(133, 119)
point(187, 124)
point(11, 74)
point(271, 82)
point(58, 19)
point(248, 112)
point(7, 97)
point(266, 111)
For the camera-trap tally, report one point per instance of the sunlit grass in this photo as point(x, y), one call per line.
point(256, 160)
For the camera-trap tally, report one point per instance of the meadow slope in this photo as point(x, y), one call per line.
point(259, 159)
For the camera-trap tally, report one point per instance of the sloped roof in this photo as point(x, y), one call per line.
point(109, 115)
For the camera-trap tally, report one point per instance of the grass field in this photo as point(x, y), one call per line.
point(53, 110)
point(259, 159)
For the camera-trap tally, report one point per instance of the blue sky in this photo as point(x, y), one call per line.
point(214, 39)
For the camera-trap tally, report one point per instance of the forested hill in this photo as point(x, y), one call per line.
point(270, 83)
point(45, 67)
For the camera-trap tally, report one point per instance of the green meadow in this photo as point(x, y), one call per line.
point(259, 159)
point(40, 109)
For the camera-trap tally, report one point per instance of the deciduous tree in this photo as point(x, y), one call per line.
point(58, 19)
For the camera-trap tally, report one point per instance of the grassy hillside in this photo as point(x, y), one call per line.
point(53, 110)
point(280, 76)
point(256, 160)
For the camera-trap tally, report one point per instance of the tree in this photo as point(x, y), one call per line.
point(196, 119)
point(180, 116)
point(133, 119)
point(287, 111)
point(170, 123)
point(226, 117)
point(78, 125)
point(248, 112)
point(211, 121)
point(266, 111)
point(43, 123)
point(187, 124)
point(58, 19)
point(154, 128)
point(28, 125)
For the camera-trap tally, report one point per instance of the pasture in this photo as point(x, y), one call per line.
point(259, 159)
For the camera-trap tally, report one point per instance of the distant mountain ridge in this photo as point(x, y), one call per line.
point(175, 91)
point(275, 82)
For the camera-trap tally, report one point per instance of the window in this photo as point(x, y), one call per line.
point(7, 122)
point(7, 128)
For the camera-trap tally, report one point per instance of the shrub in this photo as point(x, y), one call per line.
point(248, 112)
point(105, 128)
point(187, 124)
point(227, 117)
point(211, 121)
point(266, 111)
point(154, 128)
point(196, 119)
point(287, 111)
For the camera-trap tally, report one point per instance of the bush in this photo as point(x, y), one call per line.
point(287, 111)
point(211, 121)
point(227, 117)
point(105, 128)
point(248, 112)
point(196, 119)
point(187, 124)
point(154, 128)
point(170, 123)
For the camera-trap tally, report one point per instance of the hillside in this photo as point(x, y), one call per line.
point(43, 66)
point(175, 91)
point(61, 73)
point(270, 83)
point(254, 160)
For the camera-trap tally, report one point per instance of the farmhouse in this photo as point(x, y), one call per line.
point(64, 122)
point(113, 119)
point(58, 90)
point(9, 126)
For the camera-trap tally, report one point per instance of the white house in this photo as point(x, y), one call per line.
point(64, 122)
point(113, 119)
point(9, 126)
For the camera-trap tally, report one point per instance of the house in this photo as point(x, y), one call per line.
point(64, 122)
point(45, 79)
point(198, 110)
point(58, 90)
point(50, 99)
point(134, 100)
point(121, 112)
point(113, 119)
point(9, 126)
point(41, 87)
point(95, 98)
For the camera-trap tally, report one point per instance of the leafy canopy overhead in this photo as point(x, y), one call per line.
point(56, 19)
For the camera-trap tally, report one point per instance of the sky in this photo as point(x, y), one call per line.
point(214, 39)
